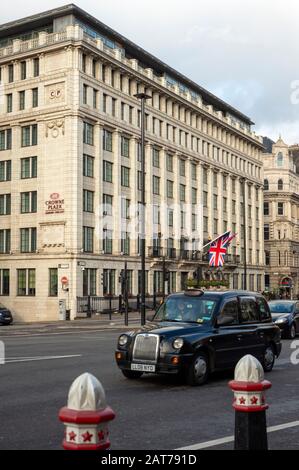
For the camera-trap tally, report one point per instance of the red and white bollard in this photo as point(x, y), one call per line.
point(86, 415)
point(250, 405)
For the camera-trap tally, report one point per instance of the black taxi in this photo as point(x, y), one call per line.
point(197, 332)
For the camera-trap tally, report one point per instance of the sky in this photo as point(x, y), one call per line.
point(247, 53)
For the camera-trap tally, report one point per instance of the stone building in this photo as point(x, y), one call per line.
point(70, 168)
point(281, 213)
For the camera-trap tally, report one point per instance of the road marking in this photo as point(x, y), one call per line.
point(225, 440)
point(38, 358)
point(17, 336)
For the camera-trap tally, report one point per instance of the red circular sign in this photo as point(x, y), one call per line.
point(64, 280)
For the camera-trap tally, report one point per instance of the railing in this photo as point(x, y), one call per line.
point(92, 305)
point(187, 255)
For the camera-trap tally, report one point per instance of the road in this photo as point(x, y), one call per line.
point(152, 413)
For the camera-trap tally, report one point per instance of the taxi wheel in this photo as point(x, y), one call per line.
point(269, 358)
point(198, 371)
point(132, 374)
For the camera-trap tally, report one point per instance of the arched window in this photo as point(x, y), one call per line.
point(266, 185)
point(279, 159)
point(280, 185)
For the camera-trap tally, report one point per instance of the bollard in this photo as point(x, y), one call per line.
point(86, 415)
point(249, 403)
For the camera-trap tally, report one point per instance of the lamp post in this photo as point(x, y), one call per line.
point(142, 97)
point(243, 182)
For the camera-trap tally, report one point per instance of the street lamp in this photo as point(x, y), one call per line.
point(243, 182)
point(142, 97)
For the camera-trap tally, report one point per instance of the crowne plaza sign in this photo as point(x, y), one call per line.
point(55, 205)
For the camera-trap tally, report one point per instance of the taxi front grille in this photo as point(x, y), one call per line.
point(146, 348)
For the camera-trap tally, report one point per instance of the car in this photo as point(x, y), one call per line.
point(196, 332)
point(285, 314)
point(5, 315)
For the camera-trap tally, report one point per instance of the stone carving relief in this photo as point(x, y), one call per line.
point(55, 128)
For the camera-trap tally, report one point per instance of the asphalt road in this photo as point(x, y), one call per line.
point(152, 413)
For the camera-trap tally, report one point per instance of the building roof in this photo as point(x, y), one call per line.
point(42, 19)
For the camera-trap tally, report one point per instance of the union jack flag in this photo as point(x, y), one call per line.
point(218, 249)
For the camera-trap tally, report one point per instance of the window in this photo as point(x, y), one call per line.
point(88, 166)
point(249, 310)
point(108, 204)
point(125, 208)
point(94, 68)
point(266, 185)
point(104, 103)
point(169, 163)
point(34, 97)
point(125, 147)
point(28, 240)
point(169, 189)
point(108, 281)
point(5, 139)
point(26, 282)
point(90, 281)
point(5, 170)
point(107, 171)
point(170, 217)
point(182, 168)
point(125, 243)
point(53, 282)
point(21, 100)
point(36, 67)
point(122, 111)
point(194, 196)
point(84, 63)
point(267, 258)
point(107, 241)
point(88, 197)
point(9, 103)
point(279, 159)
point(266, 232)
point(182, 192)
point(263, 307)
point(113, 107)
point(85, 89)
point(88, 239)
point(28, 167)
point(229, 313)
point(156, 158)
point(95, 98)
point(28, 202)
point(280, 208)
point(87, 133)
point(107, 140)
point(10, 73)
point(280, 185)
point(215, 202)
point(125, 176)
point(156, 185)
point(4, 282)
point(23, 70)
point(266, 208)
point(5, 204)
point(5, 241)
point(29, 135)
point(193, 171)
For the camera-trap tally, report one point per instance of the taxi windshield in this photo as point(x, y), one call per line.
point(186, 309)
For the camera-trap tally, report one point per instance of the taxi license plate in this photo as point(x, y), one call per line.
point(143, 367)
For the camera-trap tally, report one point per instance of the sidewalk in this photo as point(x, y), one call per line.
point(97, 322)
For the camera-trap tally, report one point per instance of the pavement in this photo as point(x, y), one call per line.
point(154, 412)
point(97, 322)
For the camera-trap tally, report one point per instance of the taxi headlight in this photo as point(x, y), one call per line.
point(122, 340)
point(178, 343)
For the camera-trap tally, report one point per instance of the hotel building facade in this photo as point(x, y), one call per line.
point(281, 215)
point(70, 168)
